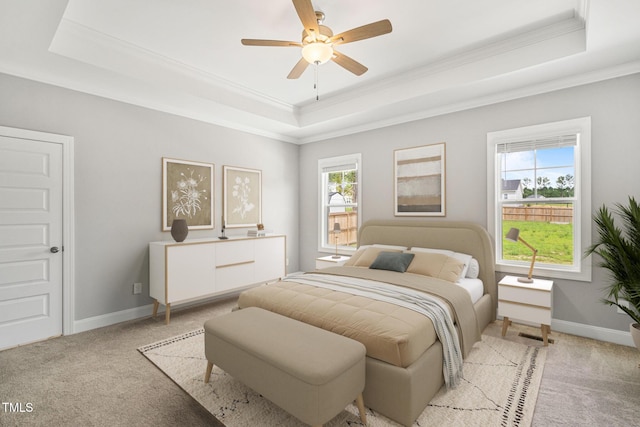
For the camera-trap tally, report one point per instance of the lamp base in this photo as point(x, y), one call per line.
point(336, 256)
point(525, 280)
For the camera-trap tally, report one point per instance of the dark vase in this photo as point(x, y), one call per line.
point(179, 229)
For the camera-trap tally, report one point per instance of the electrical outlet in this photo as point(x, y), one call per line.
point(137, 288)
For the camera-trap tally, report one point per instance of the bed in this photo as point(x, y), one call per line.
point(411, 351)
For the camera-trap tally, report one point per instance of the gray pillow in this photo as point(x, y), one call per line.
point(393, 261)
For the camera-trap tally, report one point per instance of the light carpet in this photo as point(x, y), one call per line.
point(500, 387)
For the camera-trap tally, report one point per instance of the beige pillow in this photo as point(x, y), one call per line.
point(367, 256)
point(352, 260)
point(437, 265)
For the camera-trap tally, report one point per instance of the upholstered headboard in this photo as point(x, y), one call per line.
point(464, 237)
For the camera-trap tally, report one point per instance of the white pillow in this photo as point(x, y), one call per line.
point(436, 251)
point(399, 248)
point(474, 269)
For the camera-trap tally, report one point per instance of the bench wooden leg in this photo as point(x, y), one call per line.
point(207, 374)
point(167, 314)
point(360, 404)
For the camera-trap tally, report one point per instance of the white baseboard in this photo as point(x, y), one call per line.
point(595, 332)
point(111, 318)
point(135, 313)
point(587, 331)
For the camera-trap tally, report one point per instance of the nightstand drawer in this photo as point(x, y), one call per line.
point(525, 295)
point(525, 312)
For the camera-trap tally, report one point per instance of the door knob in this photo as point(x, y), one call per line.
point(55, 250)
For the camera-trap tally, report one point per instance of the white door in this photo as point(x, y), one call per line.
point(30, 240)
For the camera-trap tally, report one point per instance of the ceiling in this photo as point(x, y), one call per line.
point(185, 57)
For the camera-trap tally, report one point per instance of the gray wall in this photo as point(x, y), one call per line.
point(118, 173)
point(614, 106)
point(118, 151)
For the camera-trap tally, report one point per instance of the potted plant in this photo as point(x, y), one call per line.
point(619, 249)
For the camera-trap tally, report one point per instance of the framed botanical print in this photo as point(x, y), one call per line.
point(420, 180)
point(242, 198)
point(187, 193)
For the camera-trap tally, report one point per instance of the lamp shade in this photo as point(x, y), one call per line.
point(317, 52)
point(513, 235)
point(336, 227)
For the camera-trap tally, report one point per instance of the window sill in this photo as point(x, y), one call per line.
point(332, 251)
point(541, 271)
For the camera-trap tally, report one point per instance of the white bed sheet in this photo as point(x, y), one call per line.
point(473, 286)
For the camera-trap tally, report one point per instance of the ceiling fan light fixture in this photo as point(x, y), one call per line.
point(317, 41)
point(317, 52)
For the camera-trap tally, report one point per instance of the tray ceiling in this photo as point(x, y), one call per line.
point(443, 55)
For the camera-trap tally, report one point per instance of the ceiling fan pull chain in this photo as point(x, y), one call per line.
point(315, 82)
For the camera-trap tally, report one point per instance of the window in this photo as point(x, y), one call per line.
point(340, 191)
point(540, 182)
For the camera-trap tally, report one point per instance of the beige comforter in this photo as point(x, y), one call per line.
point(391, 333)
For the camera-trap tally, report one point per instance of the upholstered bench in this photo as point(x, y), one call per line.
point(311, 373)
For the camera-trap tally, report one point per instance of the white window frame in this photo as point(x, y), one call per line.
point(323, 164)
point(581, 269)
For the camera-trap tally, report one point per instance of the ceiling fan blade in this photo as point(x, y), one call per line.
point(349, 64)
point(365, 32)
point(298, 69)
point(257, 42)
point(307, 16)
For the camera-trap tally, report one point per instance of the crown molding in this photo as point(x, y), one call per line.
point(590, 77)
point(546, 42)
point(85, 44)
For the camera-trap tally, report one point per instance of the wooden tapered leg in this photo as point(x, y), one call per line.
point(505, 325)
point(155, 308)
point(207, 374)
point(360, 404)
point(545, 337)
point(167, 314)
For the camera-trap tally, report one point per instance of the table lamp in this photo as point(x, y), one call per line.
point(514, 236)
point(336, 232)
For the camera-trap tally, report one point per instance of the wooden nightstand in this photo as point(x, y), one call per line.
point(330, 261)
point(530, 302)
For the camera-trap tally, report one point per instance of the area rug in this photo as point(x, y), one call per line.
point(500, 388)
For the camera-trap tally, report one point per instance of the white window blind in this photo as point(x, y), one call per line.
point(340, 167)
point(537, 144)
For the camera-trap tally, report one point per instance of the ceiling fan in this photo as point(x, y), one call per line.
point(318, 41)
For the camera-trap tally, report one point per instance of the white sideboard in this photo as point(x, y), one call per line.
point(199, 268)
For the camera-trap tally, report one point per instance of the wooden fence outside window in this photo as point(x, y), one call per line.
point(348, 235)
point(554, 214)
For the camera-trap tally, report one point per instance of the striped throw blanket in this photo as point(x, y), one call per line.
point(417, 301)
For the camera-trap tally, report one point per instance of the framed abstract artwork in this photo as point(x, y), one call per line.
point(242, 198)
point(187, 193)
point(420, 180)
